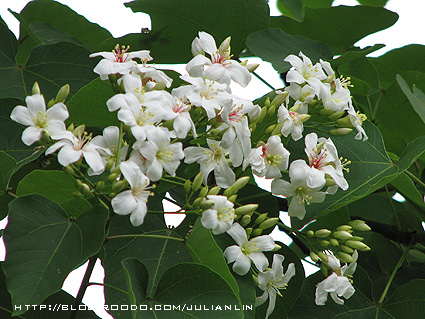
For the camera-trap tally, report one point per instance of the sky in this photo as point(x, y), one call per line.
point(119, 20)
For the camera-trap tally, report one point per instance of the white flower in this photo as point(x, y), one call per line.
point(323, 159)
point(356, 120)
point(303, 71)
point(152, 78)
point(292, 122)
point(245, 250)
point(272, 280)
point(269, 159)
point(337, 284)
point(298, 189)
point(302, 96)
point(72, 148)
point(220, 217)
point(108, 145)
point(132, 201)
point(119, 61)
point(219, 67)
point(211, 159)
point(38, 119)
point(160, 154)
point(335, 97)
point(205, 93)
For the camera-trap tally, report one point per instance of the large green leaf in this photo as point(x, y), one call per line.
point(55, 185)
point(325, 25)
point(354, 55)
point(204, 250)
point(407, 188)
point(417, 98)
point(88, 105)
point(186, 290)
point(10, 80)
point(176, 23)
point(43, 245)
point(274, 45)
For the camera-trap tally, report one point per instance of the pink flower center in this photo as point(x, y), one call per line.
point(121, 56)
point(319, 160)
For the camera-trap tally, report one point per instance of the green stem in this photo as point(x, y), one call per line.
point(12, 194)
point(144, 236)
point(108, 286)
point(261, 79)
point(378, 100)
point(415, 178)
point(172, 182)
point(399, 264)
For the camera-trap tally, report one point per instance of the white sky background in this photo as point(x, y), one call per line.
point(119, 20)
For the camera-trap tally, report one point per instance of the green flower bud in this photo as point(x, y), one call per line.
point(85, 189)
point(267, 102)
point(345, 257)
point(116, 170)
point(77, 194)
point(347, 249)
point(248, 231)
point(255, 280)
point(69, 170)
point(197, 202)
point(203, 192)
point(214, 190)
point(246, 209)
point(295, 108)
point(35, 89)
point(50, 103)
point(334, 242)
point(100, 186)
point(187, 186)
point(359, 225)
point(245, 220)
point(357, 245)
point(344, 227)
point(322, 233)
point(240, 183)
point(310, 233)
point(324, 243)
point(344, 122)
point(256, 232)
point(357, 238)
point(207, 204)
point(276, 247)
point(109, 164)
point(342, 131)
point(270, 222)
point(336, 115)
point(252, 126)
point(70, 127)
point(314, 256)
point(262, 114)
point(270, 129)
point(329, 181)
point(271, 111)
point(229, 191)
point(325, 111)
point(112, 195)
point(342, 234)
point(224, 46)
point(62, 94)
point(112, 177)
point(78, 183)
point(279, 99)
point(323, 257)
point(197, 181)
point(119, 186)
point(304, 117)
point(260, 218)
point(232, 198)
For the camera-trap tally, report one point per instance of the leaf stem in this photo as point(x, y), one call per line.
point(145, 236)
point(415, 178)
point(378, 100)
point(399, 264)
point(107, 286)
point(172, 182)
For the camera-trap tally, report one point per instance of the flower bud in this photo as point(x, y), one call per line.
point(323, 256)
point(252, 67)
point(324, 243)
point(62, 94)
point(109, 164)
point(344, 122)
point(214, 190)
point(70, 127)
point(203, 192)
point(256, 232)
point(229, 191)
point(267, 102)
point(224, 46)
point(112, 177)
point(248, 231)
point(304, 117)
point(310, 233)
point(270, 129)
point(334, 242)
point(77, 194)
point(187, 186)
point(78, 183)
point(329, 181)
point(314, 256)
point(344, 227)
point(36, 89)
point(357, 245)
point(357, 238)
point(262, 113)
point(347, 249)
point(100, 186)
point(85, 189)
point(276, 247)
point(255, 280)
point(270, 222)
point(197, 202)
point(342, 131)
point(280, 98)
point(116, 170)
point(342, 234)
point(278, 128)
point(196, 47)
point(240, 183)
point(295, 108)
point(271, 111)
point(112, 195)
point(119, 186)
point(69, 170)
point(232, 198)
point(322, 233)
point(359, 225)
point(325, 111)
point(246, 209)
point(336, 115)
point(50, 103)
point(345, 257)
point(79, 130)
point(207, 204)
point(260, 218)
point(197, 181)
point(245, 220)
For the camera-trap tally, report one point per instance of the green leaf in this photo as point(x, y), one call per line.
point(43, 245)
point(407, 188)
point(339, 27)
point(88, 105)
point(411, 153)
point(408, 301)
point(205, 251)
point(354, 55)
point(291, 8)
point(417, 98)
point(176, 23)
point(48, 34)
point(55, 185)
point(7, 167)
point(274, 45)
point(375, 3)
point(10, 80)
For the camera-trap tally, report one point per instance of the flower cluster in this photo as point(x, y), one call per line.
point(203, 122)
